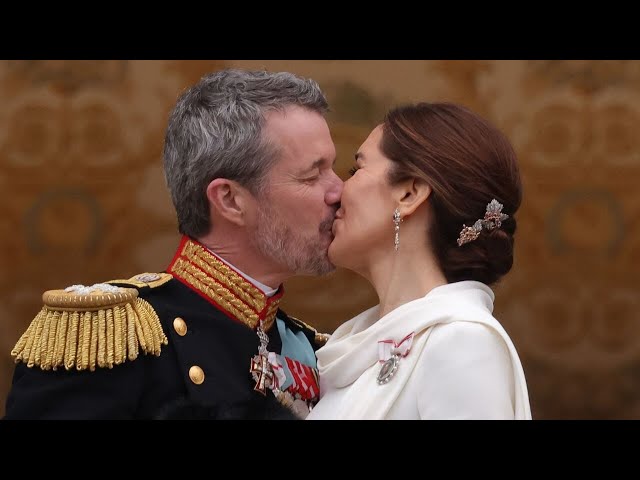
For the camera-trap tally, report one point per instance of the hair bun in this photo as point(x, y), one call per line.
point(486, 259)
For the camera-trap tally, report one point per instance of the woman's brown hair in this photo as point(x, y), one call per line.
point(467, 162)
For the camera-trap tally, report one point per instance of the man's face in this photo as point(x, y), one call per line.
point(296, 213)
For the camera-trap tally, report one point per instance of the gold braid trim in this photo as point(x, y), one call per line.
point(225, 275)
point(320, 338)
point(217, 292)
point(212, 278)
point(84, 331)
point(273, 310)
point(147, 279)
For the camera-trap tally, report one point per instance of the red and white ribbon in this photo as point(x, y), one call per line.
point(279, 375)
point(304, 378)
point(388, 348)
point(305, 382)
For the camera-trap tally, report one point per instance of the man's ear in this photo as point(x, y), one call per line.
point(229, 199)
point(411, 194)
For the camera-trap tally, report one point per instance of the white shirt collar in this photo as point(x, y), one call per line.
point(268, 291)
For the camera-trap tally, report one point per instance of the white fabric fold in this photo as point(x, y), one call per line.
point(351, 358)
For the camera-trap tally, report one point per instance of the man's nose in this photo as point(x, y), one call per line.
point(334, 192)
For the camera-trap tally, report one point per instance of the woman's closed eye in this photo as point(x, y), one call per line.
point(353, 170)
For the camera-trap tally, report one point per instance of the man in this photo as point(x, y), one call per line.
point(248, 160)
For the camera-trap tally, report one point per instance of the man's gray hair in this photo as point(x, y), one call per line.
point(215, 131)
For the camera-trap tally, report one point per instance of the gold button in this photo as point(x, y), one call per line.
point(196, 374)
point(180, 326)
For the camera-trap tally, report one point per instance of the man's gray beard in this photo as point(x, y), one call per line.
point(302, 255)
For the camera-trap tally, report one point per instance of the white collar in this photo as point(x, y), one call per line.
point(350, 358)
point(353, 347)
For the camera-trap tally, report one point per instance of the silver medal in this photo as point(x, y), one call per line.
point(388, 369)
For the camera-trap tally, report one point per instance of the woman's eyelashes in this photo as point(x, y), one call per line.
point(353, 170)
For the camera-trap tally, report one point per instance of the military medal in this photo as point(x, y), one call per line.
point(390, 354)
point(260, 369)
point(268, 373)
point(262, 374)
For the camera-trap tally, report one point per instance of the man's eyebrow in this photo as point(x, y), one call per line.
point(317, 164)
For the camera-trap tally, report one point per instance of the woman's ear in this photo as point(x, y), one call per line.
point(412, 193)
point(229, 200)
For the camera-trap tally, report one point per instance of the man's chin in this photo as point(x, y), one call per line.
point(317, 271)
point(322, 266)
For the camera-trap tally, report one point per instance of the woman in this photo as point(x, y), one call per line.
point(428, 218)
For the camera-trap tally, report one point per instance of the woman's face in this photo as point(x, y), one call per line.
point(363, 227)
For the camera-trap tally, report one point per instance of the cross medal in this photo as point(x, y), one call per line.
point(260, 368)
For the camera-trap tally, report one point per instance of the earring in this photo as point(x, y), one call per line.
point(396, 222)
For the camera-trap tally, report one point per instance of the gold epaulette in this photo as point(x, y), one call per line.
point(84, 327)
point(146, 279)
point(320, 338)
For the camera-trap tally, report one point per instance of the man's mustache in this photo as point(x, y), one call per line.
point(328, 222)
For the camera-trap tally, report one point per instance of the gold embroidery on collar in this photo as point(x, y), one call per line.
point(216, 280)
point(225, 275)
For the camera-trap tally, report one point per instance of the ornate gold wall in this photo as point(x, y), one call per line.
point(83, 198)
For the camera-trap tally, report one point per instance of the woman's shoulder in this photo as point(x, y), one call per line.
point(472, 337)
point(464, 350)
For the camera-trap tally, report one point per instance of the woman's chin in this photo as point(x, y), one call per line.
point(335, 254)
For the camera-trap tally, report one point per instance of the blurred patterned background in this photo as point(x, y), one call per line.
point(83, 198)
